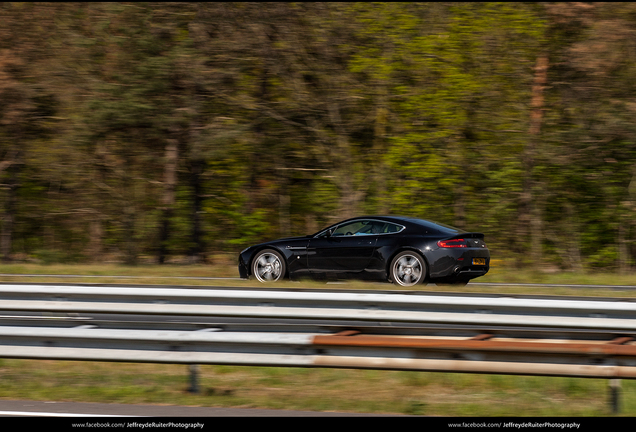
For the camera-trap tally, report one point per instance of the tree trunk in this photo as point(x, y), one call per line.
point(284, 205)
point(628, 223)
point(130, 212)
point(379, 149)
point(8, 219)
point(130, 220)
point(530, 220)
point(96, 234)
point(573, 230)
point(344, 164)
point(623, 251)
point(198, 245)
point(169, 185)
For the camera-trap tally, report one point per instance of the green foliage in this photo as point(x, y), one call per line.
point(287, 117)
point(250, 228)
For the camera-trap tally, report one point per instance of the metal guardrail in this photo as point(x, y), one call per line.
point(328, 305)
point(591, 359)
point(523, 335)
point(500, 335)
point(420, 352)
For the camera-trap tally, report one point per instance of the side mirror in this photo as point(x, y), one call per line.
point(329, 232)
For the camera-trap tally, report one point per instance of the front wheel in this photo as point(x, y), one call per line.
point(407, 269)
point(268, 266)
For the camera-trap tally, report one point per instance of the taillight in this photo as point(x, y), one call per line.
point(454, 243)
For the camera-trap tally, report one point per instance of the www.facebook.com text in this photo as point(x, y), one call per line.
point(521, 425)
point(140, 425)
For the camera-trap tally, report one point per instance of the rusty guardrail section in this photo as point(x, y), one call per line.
point(613, 359)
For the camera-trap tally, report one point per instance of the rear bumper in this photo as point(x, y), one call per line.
point(459, 266)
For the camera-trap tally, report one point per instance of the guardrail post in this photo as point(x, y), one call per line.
point(194, 378)
point(615, 390)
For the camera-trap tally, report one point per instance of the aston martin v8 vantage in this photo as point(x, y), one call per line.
point(402, 250)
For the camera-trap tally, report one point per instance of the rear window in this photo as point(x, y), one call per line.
point(437, 227)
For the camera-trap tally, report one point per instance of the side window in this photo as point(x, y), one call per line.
point(349, 229)
point(364, 227)
point(371, 227)
point(391, 228)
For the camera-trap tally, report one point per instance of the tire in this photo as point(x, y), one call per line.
point(268, 266)
point(407, 269)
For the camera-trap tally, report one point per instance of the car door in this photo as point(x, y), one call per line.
point(347, 250)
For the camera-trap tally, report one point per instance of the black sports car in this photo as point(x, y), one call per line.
point(402, 250)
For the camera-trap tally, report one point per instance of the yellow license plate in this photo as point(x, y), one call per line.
point(479, 261)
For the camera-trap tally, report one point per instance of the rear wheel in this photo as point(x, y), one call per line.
point(268, 266)
point(407, 269)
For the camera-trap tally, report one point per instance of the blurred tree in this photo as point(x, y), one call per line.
point(459, 80)
point(590, 132)
point(28, 105)
point(145, 114)
point(158, 129)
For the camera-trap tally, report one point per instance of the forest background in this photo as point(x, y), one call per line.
point(149, 132)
